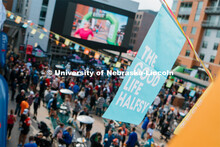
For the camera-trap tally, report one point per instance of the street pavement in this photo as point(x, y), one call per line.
point(98, 125)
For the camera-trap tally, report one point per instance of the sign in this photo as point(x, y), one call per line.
point(3, 111)
point(29, 49)
point(200, 127)
point(3, 48)
point(157, 53)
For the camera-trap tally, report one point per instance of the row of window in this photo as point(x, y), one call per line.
point(201, 56)
point(132, 41)
point(138, 16)
point(205, 45)
point(208, 32)
point(136, 22)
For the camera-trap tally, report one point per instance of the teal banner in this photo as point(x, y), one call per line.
point(148, 71)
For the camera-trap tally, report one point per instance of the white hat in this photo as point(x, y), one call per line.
point(31, 93)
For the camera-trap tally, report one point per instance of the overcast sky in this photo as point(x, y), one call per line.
point(152, 4)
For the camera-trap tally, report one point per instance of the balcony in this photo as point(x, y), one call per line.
point(212, 10)
point(184, 11)
point(210, 24)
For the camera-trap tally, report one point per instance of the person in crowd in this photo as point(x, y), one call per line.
point(20, 97)
point(36, 104)
point(88, 130)
point(24, 105)
point(149, 142)
point(124, 132)
point(119, 137)
point(76, 109)
point(108, 138)
point(109, 126)
point(99, 105)
point(24, 127)
point(83, 112)
point(156, 102)
point(31, 142)
point(67, 136)
point(150, 128)
point(81, 95)
point(144, 126)
point(75, 90)
point(30, 98)
point(13, 89)
point(59, 128)
point(96, 140)
point(132, 139)
point(11, 121)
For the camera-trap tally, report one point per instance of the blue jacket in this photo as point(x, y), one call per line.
point(110, 140)
point(132, 140)
point(145, 123)
point(75, 89)
point(67, 137)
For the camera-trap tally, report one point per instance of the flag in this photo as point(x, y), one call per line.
point(18, 19)
point(97, 55)
point(76, 47)
point(41, 36)
point(157, 53)
point(33, 31)
point(3, 48)
point(57, 36)
point(118, 64)
point(57, 42)
point(200, 127)
point(180, 90)
point(45, 30)
point(67, 42)
point(86, 51)
point(25, 25)
point(4, 96)
point(106, 60)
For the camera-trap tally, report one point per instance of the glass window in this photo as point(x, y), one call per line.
point(134, 41)
point(45, 2)
point(204, 44)
point(207, 32)
point(134, 34)
point(215, 47)
point(184, 28)
point(200, 5)
point(131, 41)
point(137, 16)
point(187, 53)
point(202, 56)
point(138, 23)
point(140, 16)
point(193, 31)
point(212, 59)
point(197, 16)
point(43, 14)
point(218, 34)
point(174, 5)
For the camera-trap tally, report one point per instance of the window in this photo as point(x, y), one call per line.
point(183, 18)
point(133, 41)
point(212, 59)
point(193, 31)
point(134, 35)
point(218, 34)
point(197, 16)
point(187, 53)
point(174, 5)
point(135, 22)
point(43, 14)
point(207, 32)
point(202, 56)
point(45, 2)
point(140, 16)
point(204, 44)
point(137, 17)
point(138, 23)
point(184, 29)
point(200, 5)
point(215, 46)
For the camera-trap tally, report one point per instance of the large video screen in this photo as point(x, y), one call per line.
point(98, 25)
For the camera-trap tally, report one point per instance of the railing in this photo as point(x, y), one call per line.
point(210, 24)
point(185, 11)
point(213, 10)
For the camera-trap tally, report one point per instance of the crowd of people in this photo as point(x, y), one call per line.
point(35, 84)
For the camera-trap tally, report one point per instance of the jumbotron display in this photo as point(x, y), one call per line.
point(99, 25)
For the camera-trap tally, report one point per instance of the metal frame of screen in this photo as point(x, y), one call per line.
point(64, 14)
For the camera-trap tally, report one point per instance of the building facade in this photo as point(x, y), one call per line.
point(142, 23)
point(200, 19)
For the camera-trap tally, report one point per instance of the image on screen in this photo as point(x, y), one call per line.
point(99, 25)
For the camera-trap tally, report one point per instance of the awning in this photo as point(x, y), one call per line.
point(193, 80)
